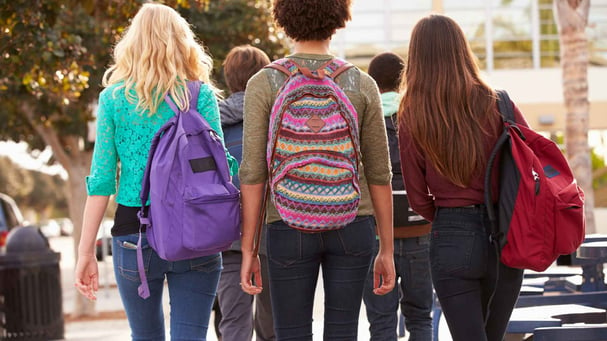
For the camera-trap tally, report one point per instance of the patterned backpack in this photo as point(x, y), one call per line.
point(313, 150)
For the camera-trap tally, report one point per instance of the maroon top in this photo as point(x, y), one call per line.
point(427, 189)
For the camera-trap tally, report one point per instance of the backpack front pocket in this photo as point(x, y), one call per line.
point(211, 222)
point(316, 190)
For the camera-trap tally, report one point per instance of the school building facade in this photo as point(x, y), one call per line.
point(516, 43)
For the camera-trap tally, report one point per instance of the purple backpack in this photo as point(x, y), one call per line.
point(194, 207)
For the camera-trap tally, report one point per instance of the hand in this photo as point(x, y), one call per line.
point(87, 276)
point(250, 268)
point(383, 273)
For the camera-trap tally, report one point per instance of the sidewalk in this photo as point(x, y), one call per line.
point(108, 303)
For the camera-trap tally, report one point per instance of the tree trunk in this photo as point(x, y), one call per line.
point(572, 19)
point(68, 151)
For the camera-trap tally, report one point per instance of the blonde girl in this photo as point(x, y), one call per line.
point(156, 56)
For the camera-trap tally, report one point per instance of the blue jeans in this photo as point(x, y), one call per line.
point(465, 269)
point(192, 286)
point(412, 262)
point(295, 258)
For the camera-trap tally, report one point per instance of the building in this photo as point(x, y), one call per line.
point(516, 42)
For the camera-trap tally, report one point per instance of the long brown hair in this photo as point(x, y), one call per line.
point(446, 107)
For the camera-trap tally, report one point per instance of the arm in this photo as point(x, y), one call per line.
point(376, 161)
point(209, 110)
point(413, 170)
point(87, 272)
point(384, 275)
point(102, 179)
point(100, 184)
point(250, 268)
point(253, 174)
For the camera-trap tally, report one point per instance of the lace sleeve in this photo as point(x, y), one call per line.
point(102, 179)
point(209, 109)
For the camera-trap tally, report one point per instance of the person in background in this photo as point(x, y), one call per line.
point(448, 125)
point(411, 232)
point(345, 254)
point(238, 319)
point(155, 57)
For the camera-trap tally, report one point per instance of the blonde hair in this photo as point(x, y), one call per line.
point(156, 56)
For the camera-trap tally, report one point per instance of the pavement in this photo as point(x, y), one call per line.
point(111, 325)
point(109, 305)
point(117, 329)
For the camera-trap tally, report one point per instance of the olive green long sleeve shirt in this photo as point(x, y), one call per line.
point(364, 95)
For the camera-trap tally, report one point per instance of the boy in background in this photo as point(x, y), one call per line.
point(237, 316)
point(411, 232)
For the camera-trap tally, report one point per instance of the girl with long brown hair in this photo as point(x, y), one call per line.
point(448, 123)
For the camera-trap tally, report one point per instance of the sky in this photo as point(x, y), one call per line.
point(37, 160)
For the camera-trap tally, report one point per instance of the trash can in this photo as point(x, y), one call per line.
point(30, 288)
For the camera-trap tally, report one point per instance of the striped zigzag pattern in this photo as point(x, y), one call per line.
point(314, 167)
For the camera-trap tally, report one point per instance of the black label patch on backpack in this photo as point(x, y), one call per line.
point(203, 164)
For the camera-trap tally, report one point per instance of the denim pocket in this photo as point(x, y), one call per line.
point(358, 237)
point(284, 244)
point(207, 264)
point(418, 276)
point(458, 252)
point(127, 256)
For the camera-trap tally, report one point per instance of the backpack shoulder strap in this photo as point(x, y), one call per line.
point(504, 105)
point(284, 65)
point(194, 88)
point(507, 113)
point(331, 68)
point(194, 91)
point(335, 67)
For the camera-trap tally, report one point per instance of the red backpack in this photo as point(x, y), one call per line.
point(540, 207)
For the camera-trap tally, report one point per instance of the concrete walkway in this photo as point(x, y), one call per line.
point(108, 300)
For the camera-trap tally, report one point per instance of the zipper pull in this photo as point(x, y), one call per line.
point(536, 178)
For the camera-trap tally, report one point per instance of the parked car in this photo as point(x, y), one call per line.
point(50, 228)
point(66, 225)
point(104, 234)
point(10, 217)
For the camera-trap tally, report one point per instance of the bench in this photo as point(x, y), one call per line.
point(530, 312)
point(596, 299)
point(555, 271)
point(527, 290)
point(527, 320)
point(573, 332)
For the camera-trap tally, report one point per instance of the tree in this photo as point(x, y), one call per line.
point(226, 24)
point(54, 53)
point(572, 19)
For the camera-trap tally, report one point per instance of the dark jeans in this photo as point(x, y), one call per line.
point(411, 260)
point(295, 258)
point(464, 272)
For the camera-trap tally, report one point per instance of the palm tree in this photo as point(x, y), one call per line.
point(572, 18)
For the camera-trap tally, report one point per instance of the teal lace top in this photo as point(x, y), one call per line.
point(123, 141)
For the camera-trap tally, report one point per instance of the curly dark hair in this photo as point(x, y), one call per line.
point(306, 20)
point(386, 69)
